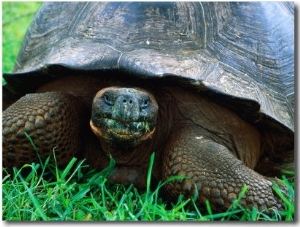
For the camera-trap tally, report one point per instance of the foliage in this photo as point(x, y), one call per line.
point(16, 17)
point(78, 193)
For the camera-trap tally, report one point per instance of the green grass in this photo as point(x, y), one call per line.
point(79, 193)
point(16, 17)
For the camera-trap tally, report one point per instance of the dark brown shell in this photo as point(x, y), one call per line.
point(242, 54)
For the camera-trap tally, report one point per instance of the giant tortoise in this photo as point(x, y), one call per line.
point(208, 87)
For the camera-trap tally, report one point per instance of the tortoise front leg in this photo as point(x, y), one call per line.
point(214, 171)
point(51, 120)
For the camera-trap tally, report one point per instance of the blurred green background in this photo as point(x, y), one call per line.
point(16, 17)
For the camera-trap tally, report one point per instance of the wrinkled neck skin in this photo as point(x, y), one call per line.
point(128, 155)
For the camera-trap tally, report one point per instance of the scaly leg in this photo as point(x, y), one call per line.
point(214, 171)
point(52, 120)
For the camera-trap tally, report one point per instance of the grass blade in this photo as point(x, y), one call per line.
point(34, 200)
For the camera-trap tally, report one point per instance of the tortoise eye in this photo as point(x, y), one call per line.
point(108, 100)
point(145, 103)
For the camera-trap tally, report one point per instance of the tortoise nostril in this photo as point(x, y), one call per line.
point(127, 101)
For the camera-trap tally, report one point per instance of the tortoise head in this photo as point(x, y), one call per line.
point(123, 117)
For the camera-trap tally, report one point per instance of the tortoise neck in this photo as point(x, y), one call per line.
point(128, 155)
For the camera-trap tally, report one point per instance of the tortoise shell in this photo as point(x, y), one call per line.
point(241, 54)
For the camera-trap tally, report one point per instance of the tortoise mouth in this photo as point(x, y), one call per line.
point(116, 132)
point(132, 128)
